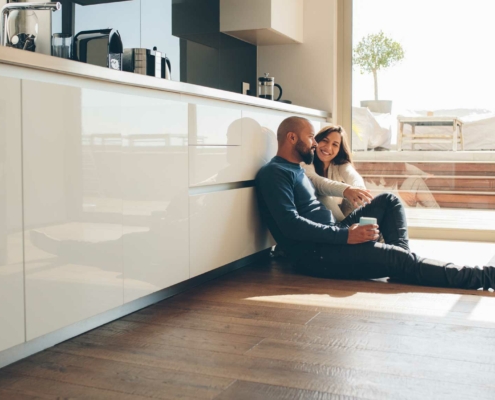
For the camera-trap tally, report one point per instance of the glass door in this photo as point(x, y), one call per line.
point(423, 123)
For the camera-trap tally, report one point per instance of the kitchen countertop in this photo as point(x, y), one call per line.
point(68, 67)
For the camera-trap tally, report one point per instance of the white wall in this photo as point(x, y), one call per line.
point(305, 71)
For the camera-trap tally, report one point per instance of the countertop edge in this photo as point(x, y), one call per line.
point(47, 63)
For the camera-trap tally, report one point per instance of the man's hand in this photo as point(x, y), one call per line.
point(358, 197)
point(362, 233)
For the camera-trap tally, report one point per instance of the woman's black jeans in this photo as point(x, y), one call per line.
point(393, 259)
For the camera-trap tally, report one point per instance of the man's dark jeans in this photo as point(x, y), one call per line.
point(393, 259)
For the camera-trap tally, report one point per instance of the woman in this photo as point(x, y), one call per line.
point(333, 161)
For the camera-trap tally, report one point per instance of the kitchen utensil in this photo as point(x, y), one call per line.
point(22, 29)
point(266, 87)
point(19, 23)
point(62, 45)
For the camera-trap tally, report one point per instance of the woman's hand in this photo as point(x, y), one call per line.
point(362, 233)
point(358, 197)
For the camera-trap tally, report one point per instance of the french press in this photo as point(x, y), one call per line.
point(266, 86)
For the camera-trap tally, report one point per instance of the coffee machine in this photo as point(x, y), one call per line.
point(101, 47)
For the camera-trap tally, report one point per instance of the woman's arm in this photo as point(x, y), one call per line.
point(324, 186)
point(351, 176)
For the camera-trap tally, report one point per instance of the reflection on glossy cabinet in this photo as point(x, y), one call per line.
point(213, 122)
point(72, 206)
point(224, 227)
point(155, 193)
point(210, 165)
point(259, 140)
point(11, 258)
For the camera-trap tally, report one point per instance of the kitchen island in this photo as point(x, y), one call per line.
point(118, 190)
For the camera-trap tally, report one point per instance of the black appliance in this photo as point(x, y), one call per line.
point(101, 47)
point(147, 62)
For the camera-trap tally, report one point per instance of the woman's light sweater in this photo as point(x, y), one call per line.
point(330, 190)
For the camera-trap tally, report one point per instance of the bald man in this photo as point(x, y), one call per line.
point(308, 233)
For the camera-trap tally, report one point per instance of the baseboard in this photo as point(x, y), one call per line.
point(26, 349)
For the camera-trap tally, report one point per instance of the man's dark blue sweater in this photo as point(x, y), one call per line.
point(288, 205)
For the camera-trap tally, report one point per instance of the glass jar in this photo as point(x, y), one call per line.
point(62, 45)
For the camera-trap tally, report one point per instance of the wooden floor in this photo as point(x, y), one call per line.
point(264, 332)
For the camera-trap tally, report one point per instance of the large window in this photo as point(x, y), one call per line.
point(424, 107)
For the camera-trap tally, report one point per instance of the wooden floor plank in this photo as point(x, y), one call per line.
point(298, 375)
point(465, 310)
point(22, 387)
point(248, 310)
point(180, 337)
point(419, 339)
point(387, 362)
point(123, 378)
point(241, 390)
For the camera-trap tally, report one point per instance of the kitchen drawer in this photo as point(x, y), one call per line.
point(224, 227)
point(213, 123)
point(210, 165)
point(259, 142)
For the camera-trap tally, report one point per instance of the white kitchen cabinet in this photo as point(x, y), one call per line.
point(210, 165)
point(263, 22)
point(259, 139)
point(72, 204)
point(212, 122)
point(155, 192)
point(224, 227)
point(11, 258)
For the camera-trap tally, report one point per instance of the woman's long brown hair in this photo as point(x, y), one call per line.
point(344, 154)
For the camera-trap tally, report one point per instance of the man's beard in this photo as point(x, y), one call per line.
point(306, 154)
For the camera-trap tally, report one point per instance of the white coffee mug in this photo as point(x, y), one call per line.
point(367, 221)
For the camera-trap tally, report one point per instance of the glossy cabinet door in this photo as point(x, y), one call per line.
point(72, 155)
point(213, 122)
point(155, 192)
point(210, 165)
point(259, 139)
point(11, 257)
point(215, 138)
point(215, 164)
point(224, 227)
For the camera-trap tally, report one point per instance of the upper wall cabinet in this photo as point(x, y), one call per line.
point(263, 22)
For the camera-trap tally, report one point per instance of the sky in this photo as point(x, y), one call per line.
point(449, 53)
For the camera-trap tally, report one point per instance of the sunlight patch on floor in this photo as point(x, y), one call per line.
point(409, 301)
point(458, 252)
point(384, 302)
